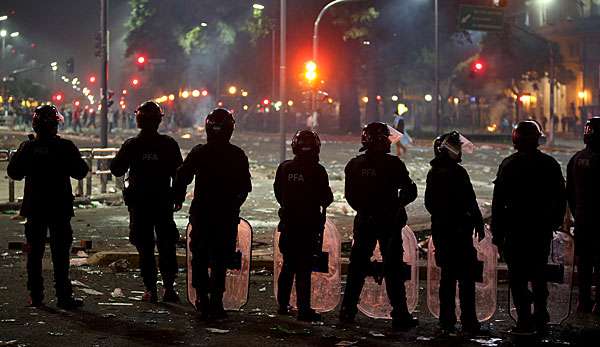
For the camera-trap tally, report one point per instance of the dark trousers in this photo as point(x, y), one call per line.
point(144, 223)
point(521, 271)
point(297, 254)
point(585, 272)
point(367, 231)
point(213, 244)
point(61, 237)
point(466, 291)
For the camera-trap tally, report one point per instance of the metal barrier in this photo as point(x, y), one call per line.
point(100, 156)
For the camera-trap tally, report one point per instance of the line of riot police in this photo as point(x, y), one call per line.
point(529, 204)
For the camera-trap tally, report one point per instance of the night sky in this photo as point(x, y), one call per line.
point(61, 29)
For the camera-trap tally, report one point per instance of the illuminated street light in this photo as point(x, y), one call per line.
point(232, 90)
point(205, 92)
point(171, 97)
point(290, 103)
point(258, 7)
point(2, 18)
point(244, 93)
point(15, 34)
point(365, 99)
point(203, 24)
point(456, 101)
point(3, 33)
point(185, 94)
point(195, 93)
point(395, 98)
point(428, 97)
point(582, 94)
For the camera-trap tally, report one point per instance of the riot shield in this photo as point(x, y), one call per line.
point(374, 301)
point(325, 287)
point(238, 280)
point(485, 290)
point(559, 274)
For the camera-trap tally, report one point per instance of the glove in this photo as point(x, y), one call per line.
point(177, 206)
point(480, 231)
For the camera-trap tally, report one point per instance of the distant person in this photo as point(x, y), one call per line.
point(48, 162)
point(399, 125)
point(152, 160)
point(378, 187)
point(583, 191)
point(529, 204)
point(302, 190)
point(222, 185)
point(450, 199)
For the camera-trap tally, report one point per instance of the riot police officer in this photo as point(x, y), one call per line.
point(152, 160)
point(222, 185)
point(583, 191)
point(378, 187)
point(450, 199)
point(302, 190)
point(528, 205)
point(47, 162)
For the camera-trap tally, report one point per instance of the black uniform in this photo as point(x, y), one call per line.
point(222, 185)
point(152, 160)
point(47, 164)
point(528, 205)
point(450, 199)
point(583, 188)
point(378, 187)
point(303, 192)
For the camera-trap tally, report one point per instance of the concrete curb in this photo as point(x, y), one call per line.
point(105, 198)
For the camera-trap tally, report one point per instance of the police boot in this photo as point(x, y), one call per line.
point(69, 303)
point(170, 294)
point(217, 311)
point(150, 295)
point(404, 323)
point(202, 306)
point(308, 315)
point(36, 300)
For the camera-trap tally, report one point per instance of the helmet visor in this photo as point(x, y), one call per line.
point(465, 145)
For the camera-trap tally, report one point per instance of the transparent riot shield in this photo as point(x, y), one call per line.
point(485, 291)
point(559, 274)
point(374, 301)
point(238, 280)
point(325, 287)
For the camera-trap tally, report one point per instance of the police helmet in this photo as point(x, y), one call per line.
point(375, 137)
point(46, 119)
point(149, 114)
point(591, 132)
point(219, 125)
point(306, 142)
point(527, 134)
point(448, 145)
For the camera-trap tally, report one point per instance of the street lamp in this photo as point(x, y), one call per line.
point(3, 18)
point(15, 34)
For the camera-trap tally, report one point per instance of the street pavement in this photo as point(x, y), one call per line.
point(101, 323)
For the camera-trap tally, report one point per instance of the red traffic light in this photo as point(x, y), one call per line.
point(478, 66)
point(58, 97)
point(141, 59)
point(92, 79)
point(135, 82)
point(266, 102)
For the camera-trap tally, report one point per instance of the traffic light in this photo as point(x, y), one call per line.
point(478, 66)
point(310, 71)
point(266, 102)
point(70, 65)
point(135, 82)
point(141, 61)
point(58, 97)
point(92, 79)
